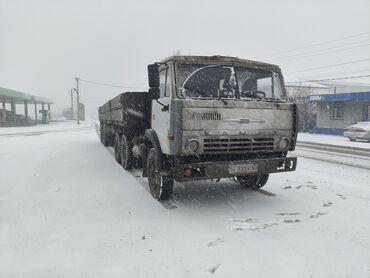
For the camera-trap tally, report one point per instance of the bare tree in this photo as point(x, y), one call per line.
point(307, 111)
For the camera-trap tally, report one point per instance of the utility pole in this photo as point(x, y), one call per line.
point(73, 112)
point(78, 100)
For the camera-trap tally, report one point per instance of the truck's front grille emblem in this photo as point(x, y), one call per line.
point(238, 144)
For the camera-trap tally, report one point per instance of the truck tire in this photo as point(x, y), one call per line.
point(117, 148)
point(253, 181)
point(126, 153)
point(103, 138)
point(160, 186)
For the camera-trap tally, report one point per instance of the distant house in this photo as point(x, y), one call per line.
point(336, 111)
point(333, 105)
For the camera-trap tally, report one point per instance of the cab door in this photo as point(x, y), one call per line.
point(161, 110)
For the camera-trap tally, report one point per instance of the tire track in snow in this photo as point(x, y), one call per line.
point(335, 158)
point(137, 175)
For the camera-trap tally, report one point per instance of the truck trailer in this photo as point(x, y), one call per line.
point(203, 117)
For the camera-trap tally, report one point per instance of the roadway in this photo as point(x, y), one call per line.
point(67, 209)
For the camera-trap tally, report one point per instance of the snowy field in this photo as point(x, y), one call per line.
point(67, 209)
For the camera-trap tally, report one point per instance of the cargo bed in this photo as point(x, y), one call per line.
point(128, 110)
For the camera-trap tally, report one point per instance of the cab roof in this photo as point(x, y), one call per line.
point(221, 59)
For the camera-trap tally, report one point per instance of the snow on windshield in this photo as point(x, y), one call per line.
point(225, 81)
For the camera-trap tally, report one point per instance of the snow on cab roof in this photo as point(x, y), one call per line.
point(225, 59)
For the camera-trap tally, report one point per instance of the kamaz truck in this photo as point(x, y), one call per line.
point(203, 118)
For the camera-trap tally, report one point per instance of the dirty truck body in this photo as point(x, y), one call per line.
point(203, 118)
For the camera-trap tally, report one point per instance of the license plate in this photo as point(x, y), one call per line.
point(243, 169)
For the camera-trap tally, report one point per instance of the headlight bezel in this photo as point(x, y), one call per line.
point(283, 143)
point(192, 145)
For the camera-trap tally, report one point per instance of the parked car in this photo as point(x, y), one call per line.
point(361, 131)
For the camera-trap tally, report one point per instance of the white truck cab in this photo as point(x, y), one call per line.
point(211, 118)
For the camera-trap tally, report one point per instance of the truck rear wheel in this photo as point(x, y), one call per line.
point(103, 138)
point(117, 148)
point(160, 185)
point(253, 181)
point(126, 153)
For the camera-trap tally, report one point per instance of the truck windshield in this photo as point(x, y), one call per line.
point(227, 81)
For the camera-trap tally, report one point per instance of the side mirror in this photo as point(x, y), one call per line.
point(153, 75)
point(154, 92)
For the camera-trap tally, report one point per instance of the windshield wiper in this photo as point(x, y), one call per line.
point(274, 99)
point(220, 98)
point(207, 96)
point(201, 93)
point(223, 100)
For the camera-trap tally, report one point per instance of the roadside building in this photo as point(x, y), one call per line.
point(11, 100)
point(327, 107)
point(336, 111)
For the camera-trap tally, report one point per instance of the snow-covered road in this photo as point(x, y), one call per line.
point(67, 209)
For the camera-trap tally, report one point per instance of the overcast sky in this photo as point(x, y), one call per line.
point(44, 44)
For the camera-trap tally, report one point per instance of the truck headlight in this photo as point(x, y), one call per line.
point(192, 145)
point(283, 143)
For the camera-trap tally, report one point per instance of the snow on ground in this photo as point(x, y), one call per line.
point(51, 127)
point(67, 209)
point(331, 140)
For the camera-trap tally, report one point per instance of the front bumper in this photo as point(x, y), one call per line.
point(221, 169)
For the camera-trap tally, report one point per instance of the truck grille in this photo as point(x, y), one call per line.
point(207, 116)
point(238, 145)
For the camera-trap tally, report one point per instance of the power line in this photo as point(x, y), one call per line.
point(335, 78)
point(111, 85)
point(312, 45)
point(323, 49)
point(330, 66)
point(340, 78)
point(346, 72)
point(320, 52)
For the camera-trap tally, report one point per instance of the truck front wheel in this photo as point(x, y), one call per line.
point(253, 181)
point(160, 185)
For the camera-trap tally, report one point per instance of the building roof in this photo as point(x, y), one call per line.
point(350, 96)
point(7, 95)
point(222, 59)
